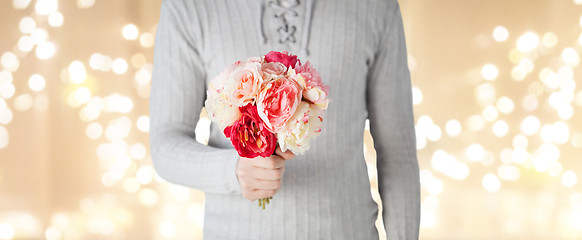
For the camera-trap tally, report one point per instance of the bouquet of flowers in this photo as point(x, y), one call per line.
point(269, 100)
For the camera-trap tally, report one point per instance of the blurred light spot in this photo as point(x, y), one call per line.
point(453, 128)
point(196, 213)
point(138, 151)
point(143, 76)
point(490, 113)
point(82, 95)
point(491, 183)
point(25, 44)
point(168, 230)
point(36, 82)
point(23, 102)
point(518, 73)
point(46, 7)
point(570, 57)
point(505, 155)
point(433, 133)
point(180, 193)
point(77, 72)
point(7, 90)
point(576, 216)
point(45, 50)
point(202, 130)
point(118, 103)
point(505, 105)
point(20, 4)
point(549, 40)
point(6, 231)
point(508, 172)
point(420, 139)
point(526, 64)
point(458, 171)
point(577, 140)
point(100, 62)
point(119, 66)
point(94, 130)
point(561, 132)
point(118, 129)
point(147, 197)
point(27, 25)
point(545, 156)
point(515, 56)
point(427, 219)
point(430, 203)
point(146, 40)
point(10, 61)
point(485, 92)
point(435, 186)
point(130, 32)
point(441, 160)
point(489, 72)
point(476, 123)
point(56, 19)
point(475, 152)
point(530, 103)
point(519, 155)
point(555, 169)
point(569, 178)
point(411, 62)
point(530, 125)
point(500, 128)
point(416, 95)
point(85, 3)
point(138, 60)
point(143, 123)
point(566, 112)
point(52, 233)
point(4, 137)
point(131, 185)
point(5, 115)
point(500, 34)
point(145, 174)
point(528, 42)
point(425, 176)
point(5, 77)
point(520, 141)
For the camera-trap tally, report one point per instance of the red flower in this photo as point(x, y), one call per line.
point(250, 136)
point(283, 57)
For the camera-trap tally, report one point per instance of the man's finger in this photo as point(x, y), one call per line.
point(285, 155)
point(269, 174)
point(272, 162)
point(267, 184)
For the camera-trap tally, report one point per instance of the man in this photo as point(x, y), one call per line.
point(359, 49)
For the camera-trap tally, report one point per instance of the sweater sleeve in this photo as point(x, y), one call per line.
point(390, 112)
point(177, 96)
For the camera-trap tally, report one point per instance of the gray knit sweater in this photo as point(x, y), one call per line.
point(359, 49)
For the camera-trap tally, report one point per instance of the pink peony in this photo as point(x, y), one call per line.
point(244, 83)
point(273, 70)
point(311, 77)
point(283, 57)
point(278, 101)
point(249, 135)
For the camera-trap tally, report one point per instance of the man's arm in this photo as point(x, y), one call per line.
point(177, 97)
point(392, 128)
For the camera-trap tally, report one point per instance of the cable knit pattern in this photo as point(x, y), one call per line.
point(359, 49)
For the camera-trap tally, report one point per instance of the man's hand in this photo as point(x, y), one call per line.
point(261, 177)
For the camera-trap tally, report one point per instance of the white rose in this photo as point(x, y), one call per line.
point(304, 125)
